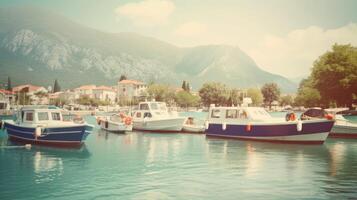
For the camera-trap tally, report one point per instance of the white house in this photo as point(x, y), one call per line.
point(105, 93)
point(131, 89)
point(32, 91)
point(84, 90)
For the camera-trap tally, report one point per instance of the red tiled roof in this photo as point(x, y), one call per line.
point(103, 87)
point(6, 92)
point(31, 88)
point(87, 87)
point(135, 82)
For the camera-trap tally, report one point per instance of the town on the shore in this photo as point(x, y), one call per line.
point(331, 84)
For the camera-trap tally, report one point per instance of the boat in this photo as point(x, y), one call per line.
point(5, 111)
point(45, 126)
point(117, 123)
point(342, 127)
point(255, 123)
point(348, 112)
point(191, 126)
point(154, 116)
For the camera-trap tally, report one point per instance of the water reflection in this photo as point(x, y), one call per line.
point(49, 163)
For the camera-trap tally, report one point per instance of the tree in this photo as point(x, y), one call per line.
point(256, 95)
point(307, 95)
point(183, 85)
point(9, 87)
point(122, 77)
point(286, 100)
point(56, 87)
point(214, 93)
point(84, 100)
point(334, 75)
point(186, 99)
point(161, 92)
point(188, 89)
point(270, 92)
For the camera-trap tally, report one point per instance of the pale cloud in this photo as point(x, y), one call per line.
point(190, 29)
point(293, 55)
point(147, 12)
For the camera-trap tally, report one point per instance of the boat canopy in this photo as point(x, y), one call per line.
point(239, 113)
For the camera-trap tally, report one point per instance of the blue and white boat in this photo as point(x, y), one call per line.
point(45, 126)
point(255, 123)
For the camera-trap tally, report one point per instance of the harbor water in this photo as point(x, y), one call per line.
point(178, 166)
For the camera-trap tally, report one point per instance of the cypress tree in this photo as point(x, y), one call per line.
point(9, 87)
point(184, 85)
point(122, 77)
point(187, 87)
point(56, 87)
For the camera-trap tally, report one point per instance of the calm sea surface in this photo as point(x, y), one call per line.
point(178, 166)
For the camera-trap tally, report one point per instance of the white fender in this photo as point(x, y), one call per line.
point(299, 125)
point(224, 126)
point(206, 124)
point(38, 131)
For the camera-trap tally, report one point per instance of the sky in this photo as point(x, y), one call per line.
point(282, 36)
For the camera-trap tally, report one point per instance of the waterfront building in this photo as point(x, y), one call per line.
point(131, 89)
point(84, 90)
point(36, 94)
point(105, 93)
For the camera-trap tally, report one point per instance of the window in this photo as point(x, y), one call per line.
point(232, 114)
point(29, 116)
point(147, 114)
point(162, 106)
point(138, 115)
point(154, 106)
point(56, 116)
point(42, 116)
point(144, 106)
point(243, 114)
point(216, 113)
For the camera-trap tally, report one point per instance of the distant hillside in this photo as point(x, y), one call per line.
point(38, 46)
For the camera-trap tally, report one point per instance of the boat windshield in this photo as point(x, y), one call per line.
point(154, 106)
point(258, 113)
point(158, 106)
point(115, 118)
point(162, 106)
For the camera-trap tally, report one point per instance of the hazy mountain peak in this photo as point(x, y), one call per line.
point(54, 47)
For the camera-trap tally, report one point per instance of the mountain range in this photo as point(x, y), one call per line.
point(38, 46)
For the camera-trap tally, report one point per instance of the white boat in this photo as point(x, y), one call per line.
point(115, 123)
point(343, 128)
point(254, 123)
point(191, 126)
point(154, 116)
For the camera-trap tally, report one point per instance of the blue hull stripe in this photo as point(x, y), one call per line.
point(68, 134)
point(269, 130)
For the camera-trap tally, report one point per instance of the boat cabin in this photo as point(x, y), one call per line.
point(150, 109)
point(39, 116)
point(237, 114)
